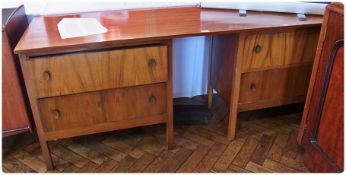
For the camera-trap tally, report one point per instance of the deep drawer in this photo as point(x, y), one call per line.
point(87, 109)
point(274, 85)
point(91, 71)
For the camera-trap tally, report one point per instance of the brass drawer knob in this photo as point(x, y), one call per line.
point(257, 48)
point(152, 99)
point(46, 75)
point(99, 104)
point(56, 113)
point(253, 87)
point(152, 63)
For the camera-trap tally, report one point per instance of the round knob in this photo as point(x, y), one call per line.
point(152, 63)
point(257, 48)
point(46, 75)
point(253, 87)
point(56, 113)
point(99, 104)
point(152, 99)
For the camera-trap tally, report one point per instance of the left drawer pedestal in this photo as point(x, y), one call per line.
point(77, 94)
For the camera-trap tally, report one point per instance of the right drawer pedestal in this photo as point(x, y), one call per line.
point(261, 69)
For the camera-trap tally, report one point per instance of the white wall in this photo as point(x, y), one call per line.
point(288, 7)
point(51, 7)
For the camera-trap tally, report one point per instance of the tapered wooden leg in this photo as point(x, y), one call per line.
point(210, 87)
point(233, 109)
point(169, 122)
point(170, 135)
point(232, 125)
point(210, 95)
point(46, 155)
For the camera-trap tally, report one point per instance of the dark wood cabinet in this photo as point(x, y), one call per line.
point(322, 128)
point(15, 110)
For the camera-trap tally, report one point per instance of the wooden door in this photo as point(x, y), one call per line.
point(322, 128)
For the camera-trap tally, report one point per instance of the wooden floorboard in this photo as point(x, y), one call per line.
point(195, 158)
point(265, 142)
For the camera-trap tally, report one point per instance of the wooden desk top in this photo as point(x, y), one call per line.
point(144, 25)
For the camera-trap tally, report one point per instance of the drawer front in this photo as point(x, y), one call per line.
point(82, 72)
point(275, 84)
point(278, 49)
point(71, 111)
point(87, 109)
point(135, 102)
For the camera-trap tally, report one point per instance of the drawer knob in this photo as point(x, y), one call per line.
point(253, 87)
point(46, 75)
point(152, 99)
point(152, 63)
point(257, 48)
point(56, 113)
point(99, 104)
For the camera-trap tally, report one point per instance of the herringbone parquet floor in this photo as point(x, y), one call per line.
point(266, 142)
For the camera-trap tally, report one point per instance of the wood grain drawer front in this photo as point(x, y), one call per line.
point(278, 49)
point(135, 102)
point(71, 111)
point(82, 72)
point(87, 109)
point(275, 84)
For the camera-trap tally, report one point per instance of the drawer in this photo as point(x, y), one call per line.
point(274, 85)
point(135, 102)
point(87, 109)
point(264, 50)
point(91, 71)
point(70, 111)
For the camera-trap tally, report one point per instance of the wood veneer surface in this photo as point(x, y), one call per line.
point(90, 71)
point(128, 26)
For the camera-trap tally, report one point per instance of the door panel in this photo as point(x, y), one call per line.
point(322, 127)
point(330, 136)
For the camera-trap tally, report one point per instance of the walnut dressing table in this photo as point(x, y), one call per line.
point(123, 78)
